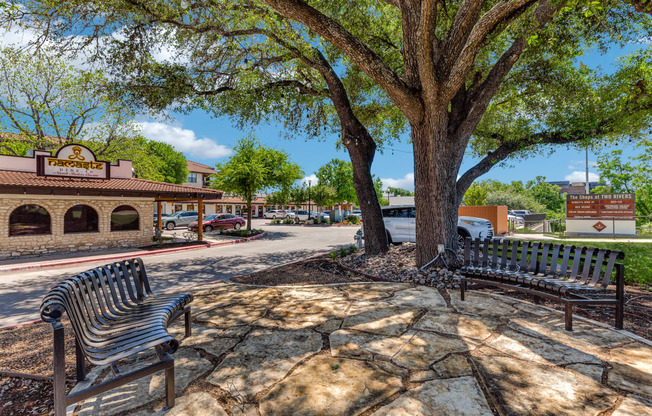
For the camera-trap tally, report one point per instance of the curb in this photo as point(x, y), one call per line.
point(124, 255)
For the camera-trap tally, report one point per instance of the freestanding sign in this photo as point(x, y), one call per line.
point(601, 214)
point(74, 161)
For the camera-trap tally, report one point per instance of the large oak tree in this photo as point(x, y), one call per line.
point(497, 74)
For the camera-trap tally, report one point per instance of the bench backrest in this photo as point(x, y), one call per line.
point(96, 296)
point(588, 266)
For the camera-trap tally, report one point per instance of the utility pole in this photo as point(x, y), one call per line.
point(586, 188)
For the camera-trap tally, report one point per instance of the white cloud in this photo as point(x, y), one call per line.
point(312, 178)
point(184, 140)
point(580, 176)
point(406, 182)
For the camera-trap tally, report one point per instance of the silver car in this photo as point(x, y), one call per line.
point(180, 219)
point(400, 225)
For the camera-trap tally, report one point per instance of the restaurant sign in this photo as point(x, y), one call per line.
point(75, 161)
point(612, 206)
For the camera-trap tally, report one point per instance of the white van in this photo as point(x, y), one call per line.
point(400, 225)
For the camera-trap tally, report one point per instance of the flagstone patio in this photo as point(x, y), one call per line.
point(387, 349)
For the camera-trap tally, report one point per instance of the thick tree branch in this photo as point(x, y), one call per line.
point(503, 11)
point(481, 96)
point(363, 56)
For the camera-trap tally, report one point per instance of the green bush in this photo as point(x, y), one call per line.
point(288, 221)
point(638, 259)
point(276, 221)
point(352, 219)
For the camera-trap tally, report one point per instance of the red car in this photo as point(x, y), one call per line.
point(219, 221)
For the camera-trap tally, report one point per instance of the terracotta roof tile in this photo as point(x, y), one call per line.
point(10, 180)
point(199, 168)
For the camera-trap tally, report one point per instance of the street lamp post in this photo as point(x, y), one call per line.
point(309, 206)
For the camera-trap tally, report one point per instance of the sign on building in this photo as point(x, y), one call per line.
point(74, 161)
point(601, 214)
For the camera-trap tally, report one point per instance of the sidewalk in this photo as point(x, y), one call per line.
point(66, 259)
point(529, 236)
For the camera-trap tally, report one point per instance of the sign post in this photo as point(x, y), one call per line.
point(601, 214)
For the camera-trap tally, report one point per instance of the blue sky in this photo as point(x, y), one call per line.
point(395, 165)
point(208, 140)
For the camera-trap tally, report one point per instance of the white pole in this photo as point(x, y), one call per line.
point(586, 189)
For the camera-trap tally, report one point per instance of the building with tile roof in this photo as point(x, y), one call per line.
point(70, 201)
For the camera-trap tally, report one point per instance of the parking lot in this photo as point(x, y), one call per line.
point(21, 292)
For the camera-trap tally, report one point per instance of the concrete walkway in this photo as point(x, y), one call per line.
point(387, 349)
point(21, 291)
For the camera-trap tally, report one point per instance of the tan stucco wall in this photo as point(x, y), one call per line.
point(58, 241)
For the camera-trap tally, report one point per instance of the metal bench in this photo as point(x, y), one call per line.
point(114, 315)
point(565, 273)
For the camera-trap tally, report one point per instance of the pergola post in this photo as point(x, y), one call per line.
point(159, 220)
point(200, 220)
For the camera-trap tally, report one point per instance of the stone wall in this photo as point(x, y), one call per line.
point(58, 241)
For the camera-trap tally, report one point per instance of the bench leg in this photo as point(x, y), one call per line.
point(169, 387)
point(620, 313)
point(59, 371)
point(187, 319)
point(462, 289)
point(568, 312)
point(80, 361)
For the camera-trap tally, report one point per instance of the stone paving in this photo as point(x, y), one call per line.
point(379, 349)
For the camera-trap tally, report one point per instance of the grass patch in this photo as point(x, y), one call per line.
point(638, 259)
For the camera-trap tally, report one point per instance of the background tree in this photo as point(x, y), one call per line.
point(399, 191)
point(254, 168)
point(46, 103)
point(338, 174)
point(629, 176)
point(476, 195)
point(323, 196)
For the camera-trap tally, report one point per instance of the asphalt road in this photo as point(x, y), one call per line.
point(21, 292)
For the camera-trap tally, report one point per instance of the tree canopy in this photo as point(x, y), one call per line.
point(635, 175)
point(254, 168)
point(45, 103)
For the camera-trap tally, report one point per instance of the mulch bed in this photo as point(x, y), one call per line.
point(317, 271)
point(28, 349)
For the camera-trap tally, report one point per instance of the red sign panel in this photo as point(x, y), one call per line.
point(618, 206)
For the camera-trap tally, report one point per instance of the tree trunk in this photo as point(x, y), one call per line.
point(362, 149)
point(436, 162)
point(249, 216)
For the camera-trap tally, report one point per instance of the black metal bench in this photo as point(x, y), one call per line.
point(566, 273)
point(114, 315)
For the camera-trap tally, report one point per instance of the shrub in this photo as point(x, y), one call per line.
point(352, 219)
point(276, 221)
point(288, 221)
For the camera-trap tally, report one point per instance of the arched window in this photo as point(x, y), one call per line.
point(29, 220)
point(124, 218)
point(80, 219)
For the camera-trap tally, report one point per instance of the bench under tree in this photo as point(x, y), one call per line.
point(572, 275)
point(114, 315)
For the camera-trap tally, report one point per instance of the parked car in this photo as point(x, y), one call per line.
point(290, 214)
point(400, 225)
point(163, 217)
point(274, 214)
point(303, 215)
point(357, 213)
point(180, 219)
point(219, 221)
point(519, 212)
point(515, 219)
